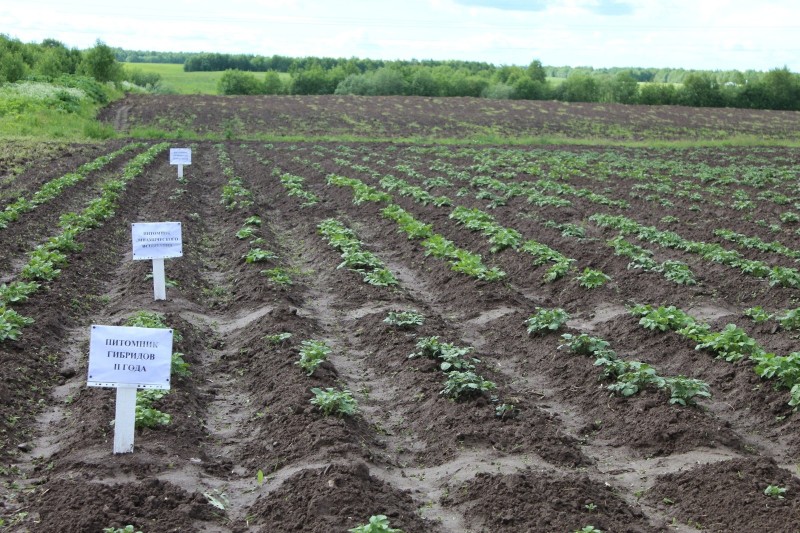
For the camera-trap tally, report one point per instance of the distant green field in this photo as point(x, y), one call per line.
point(173, 77)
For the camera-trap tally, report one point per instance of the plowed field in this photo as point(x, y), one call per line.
point(548, 437)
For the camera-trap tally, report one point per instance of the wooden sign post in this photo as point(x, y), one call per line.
point(180, 157)
point(157, 241)
point(128, 359)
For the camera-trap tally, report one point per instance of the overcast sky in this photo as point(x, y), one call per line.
point(701, 34)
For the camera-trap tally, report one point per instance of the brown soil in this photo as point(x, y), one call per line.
point(573, 456)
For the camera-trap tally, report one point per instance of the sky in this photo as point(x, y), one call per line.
point(691, 34)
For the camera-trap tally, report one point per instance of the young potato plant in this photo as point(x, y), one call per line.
point(145, 414)
point(404, 319)
point(591, 278)
point(464, 384)
point(11, 324)
point(257, 255)
point(790, 320)
point(361, 191)
point(334, 402)
point(278, 275)
point(294, 187)
point(17, 291)
point(377, 524)
point(312, 354)
point(731, 344)
point(354, 258)
point(55, 187)
point(543, 320)
point(757, 314)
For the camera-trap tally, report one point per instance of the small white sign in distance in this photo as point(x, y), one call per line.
point(180, 156)
point(122, 356)
point(156, 240)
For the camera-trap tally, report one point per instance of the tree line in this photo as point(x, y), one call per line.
point(251, 74)
point(776, 89)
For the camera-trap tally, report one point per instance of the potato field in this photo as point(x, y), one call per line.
point(459, 337)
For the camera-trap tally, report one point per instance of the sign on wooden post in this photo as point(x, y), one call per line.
point(157, 241)
point(180, 157)
point(128, 358)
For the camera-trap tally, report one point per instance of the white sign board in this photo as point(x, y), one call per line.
point(130, 357)
point(156, 240)
point(180, 156)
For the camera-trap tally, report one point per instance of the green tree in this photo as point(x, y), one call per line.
point(12, 66)
point(579, 87)
point(536, 71)
point(527, 89)
point(273, 83)
point(100, 63)
point(700, 90)
point(623, 88)
point(782, 89)
point(238, 82)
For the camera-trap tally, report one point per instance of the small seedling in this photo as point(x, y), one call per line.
point(546, 320)
point(377, 524)
point(334, 402)
point(775, 491)
point(312, 354)
point(404, 319)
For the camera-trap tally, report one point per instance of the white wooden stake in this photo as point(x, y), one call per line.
point(125, 419)
point(159, 280)
point(180, 171)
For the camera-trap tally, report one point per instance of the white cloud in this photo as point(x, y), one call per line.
point(715, 34)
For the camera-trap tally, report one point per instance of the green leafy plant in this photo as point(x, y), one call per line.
point(588, 529)
point(775, 491)
point(732, 343)
point(278, 275)
point(546, 320)
point(334, 402)
point(11, 324)
point(257, 255)
point(246, 232)
point(592, 279)
point(404, 319)
point(179, 366)
point(17, 291)
point(312, 354)
point(684, 390)
point(253, 221)
point(278, 338)
point(757, 314)
point(677, 272)
point(377, 524)
point(506, 410)
point(583, 344)
point(790, 320)
point(464, 384)
point(146, 415)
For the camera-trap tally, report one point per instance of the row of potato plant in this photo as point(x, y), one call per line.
point(354, 257)
point(234, 194)
point(642, 259)
point(500, 237)
point(45, 260)
point(629, 377)
point(438, 246)
point(756, 243)
point(53, 188)
point(435, 244)
point(777, 275)
point(731, 344)
point(147, 414)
